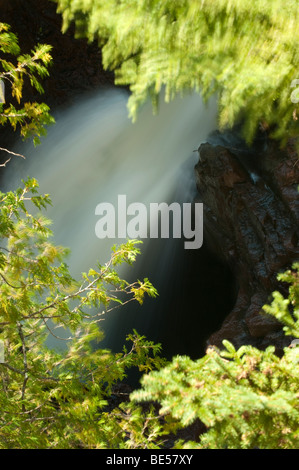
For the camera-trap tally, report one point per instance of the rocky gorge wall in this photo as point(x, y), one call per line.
point(251, 210)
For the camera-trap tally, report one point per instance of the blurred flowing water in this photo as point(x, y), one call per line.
point(95, 153)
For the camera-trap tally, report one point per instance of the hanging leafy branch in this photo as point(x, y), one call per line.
point(30, 118)
point(244, 51)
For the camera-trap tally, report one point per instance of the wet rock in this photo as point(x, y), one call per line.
point(250, 221)
point(259, 324)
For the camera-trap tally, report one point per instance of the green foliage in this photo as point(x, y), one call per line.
point(14, 69)
point(247, 398)
point(50, 398)
point(58, 398)
point(287, 310)
point(245, 51)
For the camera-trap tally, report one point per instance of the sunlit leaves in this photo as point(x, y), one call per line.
point(287, 310)
point(55, 398)
point(247, 398)
point(30, 118)
point(245, 51)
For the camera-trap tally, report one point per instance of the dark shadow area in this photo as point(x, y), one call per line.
point(196, 293)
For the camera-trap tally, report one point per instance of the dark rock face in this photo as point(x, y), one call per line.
point(76, 64)
point(251, 221)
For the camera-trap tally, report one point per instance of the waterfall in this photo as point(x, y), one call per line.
point(95, 153)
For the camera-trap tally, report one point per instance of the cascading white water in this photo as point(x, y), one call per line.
point(94, 153)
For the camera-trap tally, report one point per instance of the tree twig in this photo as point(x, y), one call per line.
point(25, 363)
point(12, 153)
